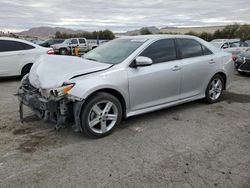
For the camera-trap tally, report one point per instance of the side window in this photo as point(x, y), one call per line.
point(8, 46)
point(74, 41)
point(27, 46)
point(161, 51)
point(205, 50)
point(82, 41)
point(189, 48)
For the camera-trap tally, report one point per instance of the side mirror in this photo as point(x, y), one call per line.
point(141, 61)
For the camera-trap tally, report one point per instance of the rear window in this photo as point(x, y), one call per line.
point(205, 50)
point(189, 48)
point(7, 46)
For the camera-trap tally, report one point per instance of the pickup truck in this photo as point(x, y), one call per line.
point(65, 48)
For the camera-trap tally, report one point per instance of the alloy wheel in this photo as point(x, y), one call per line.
point(103, 116)
point(215, 89)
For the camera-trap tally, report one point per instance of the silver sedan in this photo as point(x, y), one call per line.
point(125, 77)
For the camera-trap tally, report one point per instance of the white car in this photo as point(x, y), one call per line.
point(17, 56)
point(234, 46)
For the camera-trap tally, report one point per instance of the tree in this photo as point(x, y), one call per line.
point(58, 35)
point(230, 31)
point(206, 36)
point(218, 34)
point(145, 31)
point(243, 32)
point(103, 35)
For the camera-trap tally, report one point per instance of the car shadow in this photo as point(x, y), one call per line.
point(171, 111)
point(10, 79)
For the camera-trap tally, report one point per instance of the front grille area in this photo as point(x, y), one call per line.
point(246, 65)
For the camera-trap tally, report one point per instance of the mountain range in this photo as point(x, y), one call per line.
point(46, 32)
point(43, 32)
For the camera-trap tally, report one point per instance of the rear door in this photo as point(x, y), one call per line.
point(198, 64)
point(12, 57)
point(158, 83)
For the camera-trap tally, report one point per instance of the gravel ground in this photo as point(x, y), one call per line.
point(191, 145)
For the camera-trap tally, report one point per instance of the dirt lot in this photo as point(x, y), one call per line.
point(192, 145)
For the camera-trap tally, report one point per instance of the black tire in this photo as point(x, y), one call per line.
point(63, 51)
point(26, 69)
point(208, 97)
point(87, 110)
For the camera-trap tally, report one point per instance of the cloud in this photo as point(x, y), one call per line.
point(120, 15)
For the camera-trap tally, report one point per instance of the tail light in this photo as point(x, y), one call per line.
point(50, 52)
point(234, 57)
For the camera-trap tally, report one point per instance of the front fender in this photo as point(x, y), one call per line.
point(87, 85)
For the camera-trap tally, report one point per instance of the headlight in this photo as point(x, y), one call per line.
point(58, 92)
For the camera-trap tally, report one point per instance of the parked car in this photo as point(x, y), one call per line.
point(234, 46)
point(65, 47)
point(248, 42)
point(125, 77)
point(17, 56)
point(48, 43)
point(242, 63)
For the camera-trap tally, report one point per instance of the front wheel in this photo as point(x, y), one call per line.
point(214, 89)
point(100, 115)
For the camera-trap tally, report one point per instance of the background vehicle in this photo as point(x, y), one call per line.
point(242, 62)
point(248, 42)
point(82, 44)
point(17, 56)
point(234, 46)
point(50, 42)
point(126, 77)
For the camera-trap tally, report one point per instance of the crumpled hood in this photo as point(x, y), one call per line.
point(51, 71)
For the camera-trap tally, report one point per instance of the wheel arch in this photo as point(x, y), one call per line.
point(115, 93)
point(25, 66)
point(224, 76)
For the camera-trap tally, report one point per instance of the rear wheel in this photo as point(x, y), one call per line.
point(214, 89)
point(63, 51)
point(100, 115)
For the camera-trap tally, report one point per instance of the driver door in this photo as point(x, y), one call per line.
point(158, 83)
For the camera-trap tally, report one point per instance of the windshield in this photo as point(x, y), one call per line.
point(114, 52)
point(67, 41)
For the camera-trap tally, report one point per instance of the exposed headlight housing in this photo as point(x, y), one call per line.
point(61, 91)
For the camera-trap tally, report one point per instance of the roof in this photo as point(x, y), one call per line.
point(158, 36)
point(19, 40)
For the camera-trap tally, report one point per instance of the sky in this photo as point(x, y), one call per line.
point(120, 15)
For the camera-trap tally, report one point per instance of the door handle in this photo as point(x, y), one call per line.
point(176, 68)
point(211, 61)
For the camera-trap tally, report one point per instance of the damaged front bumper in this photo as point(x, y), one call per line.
point(55, 109)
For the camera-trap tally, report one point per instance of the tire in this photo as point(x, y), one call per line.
point(95, 122)
point(214, 89)
point(63, 51)
point(26, 69)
